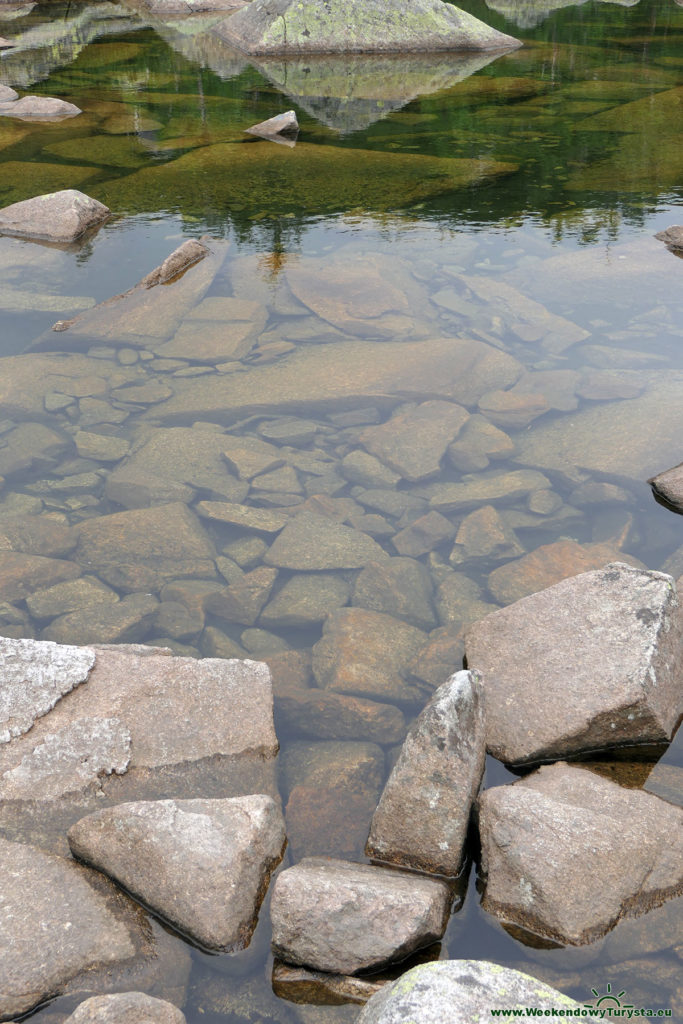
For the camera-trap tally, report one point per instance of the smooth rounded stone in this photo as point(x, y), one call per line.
point(58, 217)
point(306, 599)
point(341, 917)
point(21, 575)
point(313, 542)
point(135, 488)
point(172, 619)
point(146, 546)
point(70, 761)
point(203, 865)
point(483, 534)
point(105, 621)
point(35, 676)
point(214, 643)
point(243, 600)
point(550, 564)
point(462, 991)
point(7, 94)
point(290, 669)
point(100, 447)
point(317, 378)
point(245, 516)
point(146, 393)
point(36, 535)
point(603, 649)
point(414, 441)
point(423, 815)
point(44, 108)
point(669, 487)
point(672, 237)
point(512, 409)
point(378, 27)
point(69, 596)
point(565, 829)
point(596, 492)
point(401, 587)
point(558, 387)
point(319, 714)
point(460, 601)
point(607, 385)
point(423, 535)
point(478, 442)
point(478, 490)
point(55, 925)
point(260, 642)
point(364, 653)
point(126, 1008)
point(365, 470)
point(204, 727)
point(544, 503)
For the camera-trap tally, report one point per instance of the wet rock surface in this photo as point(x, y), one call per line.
point(669, 487)
point(612, 634)
point(203, 865)
point(536, 833)
point(126, 1008)
point(423, 814)
point(60, 217)
point(342, 917)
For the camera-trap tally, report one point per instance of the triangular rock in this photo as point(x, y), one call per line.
point(271, 27)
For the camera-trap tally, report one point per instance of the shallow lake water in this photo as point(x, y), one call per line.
point(443, 230)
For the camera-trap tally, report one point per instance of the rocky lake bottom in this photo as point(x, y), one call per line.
point(425, 367)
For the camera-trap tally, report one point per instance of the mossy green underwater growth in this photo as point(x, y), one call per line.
point(318, 178)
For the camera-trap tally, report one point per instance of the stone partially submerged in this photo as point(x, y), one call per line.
point(567, 853)
point(280, 27)
point(126, 1008)
point(57, 217)
point(203, 865)
point(669, 487)
point(592, 663)
point(422, 818)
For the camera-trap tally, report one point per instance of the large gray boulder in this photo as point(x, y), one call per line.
point(567, 853)
point(272, 27)
point(203, 865)
point(592, 663)
point(423, 814)
point(336, 916)
point(126, 1008)
point(57, 217)
point(460, 992)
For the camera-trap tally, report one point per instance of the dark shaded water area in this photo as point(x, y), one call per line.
point(466, 231)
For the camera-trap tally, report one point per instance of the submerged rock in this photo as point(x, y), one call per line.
point(566, 853)
point(314, 542)
point(591, 663)
point(669, 486)
point(126, 1008)
point(203, 865)
point(423, 815)
point(59, 217)
point(341, 917)
point(672, 237)
point(377, 26)
point(462, 991)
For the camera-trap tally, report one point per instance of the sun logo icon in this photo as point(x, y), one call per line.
point(610, 1000)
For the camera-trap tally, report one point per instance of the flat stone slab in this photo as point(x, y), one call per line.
point(126, 1008)
point(669, 487)
point(353, 26)
point(314, 542)
point(336, 916)
point(591, 663)
point(414, 441)
point(57, 217)
point(54, 925)
point(460, 992)
point(203, 865)
point(423, 814)
point(564, 830)
point(34, 676)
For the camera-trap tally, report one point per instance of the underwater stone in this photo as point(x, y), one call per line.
point(602, 650)
point(126, 1008)
point(56, 217)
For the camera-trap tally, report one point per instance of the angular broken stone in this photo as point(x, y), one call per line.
point(463, 991)
point(314, 542)
point(40, 108)
point(243, 600)
point(305, 599)
point(34, 676)
point(669, 486)
point(423, 814)
point(357, 27)
point(565, 830)
point(672, 236)
point(58, 217)
point(333, 716)
point(21, 574)
point(414, 441)
point(592, 663)
point(126, 1008)
point(401, 587)
point(105, 621)
point(203, 865)
point(341, 917)
point(69, 761)
point(484, 534)
point(281, 124)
